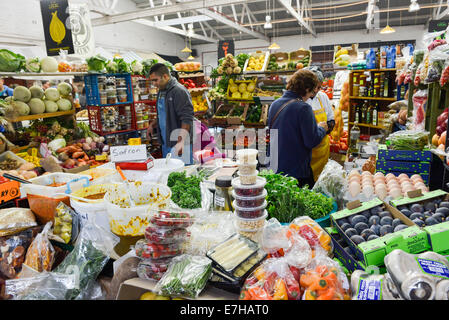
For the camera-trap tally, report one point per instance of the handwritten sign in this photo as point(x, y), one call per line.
point(128, 153)
point(134, 141)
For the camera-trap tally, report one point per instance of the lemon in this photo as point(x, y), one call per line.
point(162, 298)
point(148, 296)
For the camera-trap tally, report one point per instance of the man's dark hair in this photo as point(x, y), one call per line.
point(303, 81)
point(160, 69)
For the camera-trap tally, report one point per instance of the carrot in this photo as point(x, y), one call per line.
point(258, 293)
point(61, 150)
point(77, 155)
point(86, 158)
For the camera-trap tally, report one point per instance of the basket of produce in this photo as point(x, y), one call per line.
point(231, 65)
point(237, 115)
point(220, 117)
point(256, 116)
point(345, 56)
point(278, 61)
point(241, 90)
point(299, 59)
point(258, 61)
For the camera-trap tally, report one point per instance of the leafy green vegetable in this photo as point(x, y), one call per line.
point(147, 64)
point(238, 112)
point(186, 276)
point(122, 66)
point(254, 114)
point(96, 63)
point(241, 58)
point(286, 200)
point(408, 140)
point(10, 61)
point(186, 191)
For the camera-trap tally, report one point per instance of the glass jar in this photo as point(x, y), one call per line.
point(222, 198)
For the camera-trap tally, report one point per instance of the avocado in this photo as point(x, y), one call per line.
point(406, 212)
point(396, 222)
point(416, 208)
point(386, 221)
point(417, 215)
point(375, 228)
point(357, 239)
point(418, 222)
point(345, 227)
point(385, 214)
point(439, 217)
point(430, 206)
point(366, 214)
point(374, 220)
point(400, 227)
point(373, 237)
point(444, 204)
point(358, 218)
point(431, 221)
point(351, 232)
point(366, 233)
point(360, 227)
point(386, 229)
point(443, 210)
point(427, 214)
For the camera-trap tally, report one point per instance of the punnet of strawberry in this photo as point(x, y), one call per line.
point(172, 219)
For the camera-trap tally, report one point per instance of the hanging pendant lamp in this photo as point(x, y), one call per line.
point(388, 29)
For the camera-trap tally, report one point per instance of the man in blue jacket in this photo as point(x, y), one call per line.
point(297, 130)
point(174, 114)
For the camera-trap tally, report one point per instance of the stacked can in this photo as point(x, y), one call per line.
point(250, 196)
point(164, 239)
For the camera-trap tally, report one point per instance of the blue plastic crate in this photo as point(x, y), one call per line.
point(93, 94)
point(404, 166)
point(384, 154)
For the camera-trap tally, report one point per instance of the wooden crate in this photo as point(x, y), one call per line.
point(237, 120)
point(263, 119)
point(221, 120)
point(298, 55)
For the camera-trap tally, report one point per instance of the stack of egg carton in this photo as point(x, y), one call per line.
point(250, 196)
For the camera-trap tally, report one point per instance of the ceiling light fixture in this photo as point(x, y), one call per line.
point(274, 46)
point(191, 57)
point(414, 6)
point(388, 29)
point(267, 24)
point(190, 31)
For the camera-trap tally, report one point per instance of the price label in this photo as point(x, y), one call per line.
point(129, 153)
point(134, 141)
point(101, 157)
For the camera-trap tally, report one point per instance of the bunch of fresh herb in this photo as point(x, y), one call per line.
point(286, 200)
point(186, 191)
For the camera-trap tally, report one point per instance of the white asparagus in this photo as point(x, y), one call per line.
point(228, 251)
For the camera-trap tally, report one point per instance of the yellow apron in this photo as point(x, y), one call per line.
point(320, 154)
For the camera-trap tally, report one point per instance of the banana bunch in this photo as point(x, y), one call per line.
point(31, 159)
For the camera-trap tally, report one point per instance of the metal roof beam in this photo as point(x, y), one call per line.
point(222, 19)
point(287, 5)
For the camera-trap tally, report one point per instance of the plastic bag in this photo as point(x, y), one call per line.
point(408, 140)
point(13, 220)
point(312, 232)
point(186, 276)
point(419, 110)
point(365, 286)
point(67, 224)
point(41, 254)
point(437, 59)
point(43, 286)
point(324, 280)
point(423, 276)
point(88, 257)
point(332, 182)
point(444, 74)
point(272, 280)
point(432, 40)
point(274, 239)
point(13, 251)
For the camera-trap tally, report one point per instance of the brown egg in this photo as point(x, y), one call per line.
point(403, 175)
point(354, 188)
point(354, 172)
point(390, 175)
point(395, 192)
point(354, 179)
point(379, 174)
point(415, 176)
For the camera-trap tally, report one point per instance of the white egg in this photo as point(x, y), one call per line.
point(423, 189)
point(415, 176)
point(379, 174)
point(416, 181)
point(406, 183)
point(368, 191)
point(381, 191)
point(403, 179)
point(403, 175)
point(395, 193)
point(366, 179)
point(420, 185)
point(379, 183)
point(367, 173)
point(390, 178)
point(408, 189)
point(392, 183)
point(354, 179)
point(354, 189)
point(389, 175)
point(367, 183)
point(354, 172)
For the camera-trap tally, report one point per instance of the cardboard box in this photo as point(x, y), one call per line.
point(384, 154)
point(404, 166)
point(438, 235)
point(257, 54)
point(412, 239)
point(425, 177)
point(132, 289)
point(282, 59)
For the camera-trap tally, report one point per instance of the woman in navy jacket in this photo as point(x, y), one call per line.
point(297, 130)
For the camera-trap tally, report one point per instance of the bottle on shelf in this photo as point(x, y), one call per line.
point(386, 92)
point(363, 112)
point(356, 113)
point(354, 136)
point(369, 114)
point(375, 114)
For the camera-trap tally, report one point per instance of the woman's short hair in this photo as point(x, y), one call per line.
point(302, 82)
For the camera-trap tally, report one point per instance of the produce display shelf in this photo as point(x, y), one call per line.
point(40, 74)
point(373, 98)
point(269, 72)
point(198, 89)
point(367, 125)
point(43, 116)
point(194, 75)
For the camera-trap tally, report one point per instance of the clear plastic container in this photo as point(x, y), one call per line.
point(171, 218)
point(249, 202)
point(121, 91)
point(164, 235)
point(254, 235)
point(248, 179)
point(250, 213)
point(251, 224)
point(247, 168)
point(123, 98)
point(103, 97)
point(111, 92)
point(253, 190)
point(152, 269)
point(148, 250)
point(247, 155)
point(140, 124)
point(112, 99)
